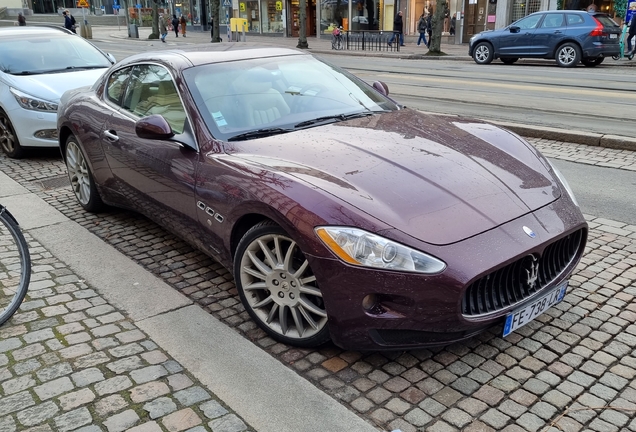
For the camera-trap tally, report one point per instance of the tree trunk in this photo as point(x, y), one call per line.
point(155, 21)
point(437, 24)
point(302, 24)
point(216, 19)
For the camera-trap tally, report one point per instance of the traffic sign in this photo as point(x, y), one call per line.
point(82, 4)
point(227, 3)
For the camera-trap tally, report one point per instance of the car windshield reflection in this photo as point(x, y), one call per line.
point(255, 98)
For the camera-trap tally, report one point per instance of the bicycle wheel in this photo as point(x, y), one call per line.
point(15, 266)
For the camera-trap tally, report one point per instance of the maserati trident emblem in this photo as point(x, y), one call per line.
point(532, 273)
point(528, 231)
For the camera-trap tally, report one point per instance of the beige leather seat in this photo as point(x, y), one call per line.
point(260, 102)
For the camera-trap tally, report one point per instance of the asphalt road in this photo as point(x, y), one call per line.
point(601, 100)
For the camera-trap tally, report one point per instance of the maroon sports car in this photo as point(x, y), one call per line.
point(342, 214)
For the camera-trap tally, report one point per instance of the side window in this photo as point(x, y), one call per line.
point(574, 20)
point(552, 21)
point(151, 91)
point(116, 85)
point(529, 22)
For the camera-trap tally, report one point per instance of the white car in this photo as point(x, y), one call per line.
point(37, 65)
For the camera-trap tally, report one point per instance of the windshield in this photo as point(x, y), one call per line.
point(49, 54)
point(278, 95)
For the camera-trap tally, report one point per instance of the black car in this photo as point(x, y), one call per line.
point(569, 37)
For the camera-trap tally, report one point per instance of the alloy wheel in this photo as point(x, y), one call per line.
point(78, 173)
point(482, 53)
point(8, 140)
point(567, 55)
point(280, 288)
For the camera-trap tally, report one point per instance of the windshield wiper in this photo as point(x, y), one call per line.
point(260, 133)
point(85, 67)
point(333, 118)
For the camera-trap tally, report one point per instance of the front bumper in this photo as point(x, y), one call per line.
point(416, 310)
point(28, 123)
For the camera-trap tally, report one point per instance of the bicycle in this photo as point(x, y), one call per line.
point(621, 44)
point(337, 42)
point(15, 265)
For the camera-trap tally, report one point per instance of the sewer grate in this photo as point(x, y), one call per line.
point(53, 182)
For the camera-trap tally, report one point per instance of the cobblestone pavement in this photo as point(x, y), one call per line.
point(572, 369)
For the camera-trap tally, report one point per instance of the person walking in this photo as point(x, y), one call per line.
point(21, 19)
point(183, 23)
point(631, 33)
point(421, 28)
point(429, 29)
point(398, 28)
point(175, 25)
point(452, 24)
point(163, 29)
point(69, 21)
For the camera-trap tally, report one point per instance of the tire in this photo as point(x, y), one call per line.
point(278, 288)
point(568, 55)
point(9, 142)
point(599, 60)
point(588, 63)
point(616, 57)
point(14, 262)
point(483, 53)
point(82, 181)
point(509, 60)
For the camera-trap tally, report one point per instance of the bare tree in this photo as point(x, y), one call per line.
point(215, 12)
point(437, 24)
point(302, 25)
point(155, 21)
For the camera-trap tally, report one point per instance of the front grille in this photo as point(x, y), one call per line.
point(518, 281)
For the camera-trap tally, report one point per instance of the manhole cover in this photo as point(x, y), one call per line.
point(53, 182)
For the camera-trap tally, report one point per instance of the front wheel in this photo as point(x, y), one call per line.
point(568, 55)
point(8, 138)
point(483, 53)
point(278, 287)
point(15, 266)
point(82, 181)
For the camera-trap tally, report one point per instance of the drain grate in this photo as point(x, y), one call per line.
point(53, 182)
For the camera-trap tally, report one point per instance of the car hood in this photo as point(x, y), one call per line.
point(51, 86)
point(438, 179)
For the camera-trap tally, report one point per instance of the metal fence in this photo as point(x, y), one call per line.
point(367, 40)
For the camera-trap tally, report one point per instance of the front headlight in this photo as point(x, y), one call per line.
point(362, 248)
point(32, 103)
point(564, 182)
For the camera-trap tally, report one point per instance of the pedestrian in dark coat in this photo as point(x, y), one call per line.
point(21, 19)
point(175, 25)
point(398, 29)
point(421, 28)
point(429, 28)
point(631, 33)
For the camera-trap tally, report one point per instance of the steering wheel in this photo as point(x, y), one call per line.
point(302, 98)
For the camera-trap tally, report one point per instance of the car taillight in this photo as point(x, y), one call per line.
point(598, 31)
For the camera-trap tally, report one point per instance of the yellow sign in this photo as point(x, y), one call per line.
point(82, 3)
point(279, 5)
point(242, 7)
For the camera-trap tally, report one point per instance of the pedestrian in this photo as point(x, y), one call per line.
point(429, 29)
point(421, 27)
point(69, 21)
point(211, 28)
point(163, 29)
point(631, 34)
point(398, 28)
point(452, 24)
point(446, 18)
point(183, 23)
point(175, 25)
point(21, 19)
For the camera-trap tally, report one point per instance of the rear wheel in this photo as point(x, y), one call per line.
point(483, 53)
point(82, 181)
point(568, 55)
point(8, 138)
point(593, 62)
point(509, 60)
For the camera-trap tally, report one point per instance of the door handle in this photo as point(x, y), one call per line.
point(111, 136)
point(557, 32)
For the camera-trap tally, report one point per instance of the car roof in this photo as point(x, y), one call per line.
point(17, 31)
point(219, 53)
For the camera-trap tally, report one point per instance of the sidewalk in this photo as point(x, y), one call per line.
point(102, 344)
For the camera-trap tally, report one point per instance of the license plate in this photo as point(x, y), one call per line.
point(523, 316)
point(613, 36)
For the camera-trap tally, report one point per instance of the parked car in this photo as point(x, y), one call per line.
point(341, 214)
point(567, 36)
point(37, 65)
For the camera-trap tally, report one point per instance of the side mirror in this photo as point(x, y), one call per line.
point(153, 127)
point(381, 87)
point(514, 29)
